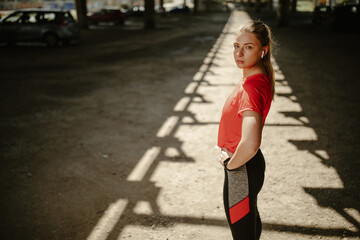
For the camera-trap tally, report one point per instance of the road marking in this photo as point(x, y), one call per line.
point(108, 221)
point(144, 164)
point(167, 126)
point(182, 104)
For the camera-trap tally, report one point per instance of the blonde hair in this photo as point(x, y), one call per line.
point(263, 34)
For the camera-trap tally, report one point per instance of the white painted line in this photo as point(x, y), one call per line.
point(201, 72)
point(108, 221)
point(144, 164)
point(191, 88)
point(354, 214)
point(199, 75)
point(208, 60)
point(181, 104)
point(323, 154)
point(167, 126)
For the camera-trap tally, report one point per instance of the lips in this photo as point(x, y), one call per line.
point(239, 61)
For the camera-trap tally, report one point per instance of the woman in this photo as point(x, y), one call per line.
point(240, 129)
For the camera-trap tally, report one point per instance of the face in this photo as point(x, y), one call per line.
point(247, 50)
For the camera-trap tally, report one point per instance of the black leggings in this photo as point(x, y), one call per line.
point(241, 188)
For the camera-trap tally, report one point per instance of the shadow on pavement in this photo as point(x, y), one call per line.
point(84, 130)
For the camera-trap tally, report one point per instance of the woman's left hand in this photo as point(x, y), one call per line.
point(225, 154)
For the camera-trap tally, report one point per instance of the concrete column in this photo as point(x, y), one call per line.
point(283, 13)
point(149, 17)
point(257, 6)
point(293, 5)
point(81, 12)
point(271, 4)
point(196, 6)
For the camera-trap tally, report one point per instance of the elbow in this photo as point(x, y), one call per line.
point(254, 149)
point(253, 146)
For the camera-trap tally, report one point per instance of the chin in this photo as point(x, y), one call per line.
point(240, 66)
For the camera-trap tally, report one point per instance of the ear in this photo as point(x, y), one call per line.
point(265, 49)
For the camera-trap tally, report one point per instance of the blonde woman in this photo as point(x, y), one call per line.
point(240, 129)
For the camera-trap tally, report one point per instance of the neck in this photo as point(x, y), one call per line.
point(254, 70)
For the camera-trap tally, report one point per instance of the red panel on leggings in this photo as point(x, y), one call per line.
point(239, 210)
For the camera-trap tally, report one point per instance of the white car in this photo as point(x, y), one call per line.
point(49, 26)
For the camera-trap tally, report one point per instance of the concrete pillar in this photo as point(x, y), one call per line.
point(207, 5)
point(149, 17)
point(81, 12)
point(293, 5)
point(271, 4)
point(196, 6)
point(283, 13)
point(257, 6)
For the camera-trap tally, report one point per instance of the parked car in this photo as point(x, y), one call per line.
point(322, 14)
point(346, 17)
point(137, 11)
point(180, 9)
point(113, 15)
point(49, 26)
point(160, 10)
point(339, 17)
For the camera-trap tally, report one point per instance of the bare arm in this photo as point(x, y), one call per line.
point(250, 139)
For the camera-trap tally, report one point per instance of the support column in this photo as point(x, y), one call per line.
point(149, 17)
point(283, 13)
point(207, 5)
point(293, 5)
point(196, 6)
point(271, 4)
point(81, 12)
point(257, 6)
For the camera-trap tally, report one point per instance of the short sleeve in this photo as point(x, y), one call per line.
point(253, 97)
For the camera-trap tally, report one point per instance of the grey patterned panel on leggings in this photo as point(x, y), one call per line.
point(238, 185)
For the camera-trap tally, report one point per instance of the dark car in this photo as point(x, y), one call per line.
point(182, 9)
point(137, 11)
point(323, 14)
point(49, 26)
point(346, 17)
point(339, 17)
point(106, 15)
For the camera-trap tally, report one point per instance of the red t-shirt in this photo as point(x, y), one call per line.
point(255, 95)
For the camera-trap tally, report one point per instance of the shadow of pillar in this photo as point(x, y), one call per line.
point(342, 200)
point(140, 188)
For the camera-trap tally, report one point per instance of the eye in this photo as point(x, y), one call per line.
point(248, 47)
point(236, 46)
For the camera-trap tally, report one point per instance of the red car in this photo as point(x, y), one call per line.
point(107, 15)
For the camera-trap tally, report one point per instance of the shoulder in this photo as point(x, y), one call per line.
point(259, 82)
point(258, 79)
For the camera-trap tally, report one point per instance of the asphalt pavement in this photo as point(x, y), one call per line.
point(132, 153)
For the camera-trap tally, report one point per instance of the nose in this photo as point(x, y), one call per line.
point(240, 52)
